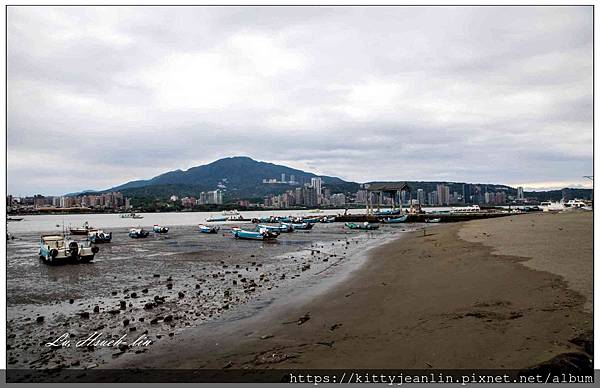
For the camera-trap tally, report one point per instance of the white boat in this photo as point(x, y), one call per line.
point(230, 213)
point(131, 215)
point(466, 209)
point(576, 203)
point(549, 206)
point(55, 249)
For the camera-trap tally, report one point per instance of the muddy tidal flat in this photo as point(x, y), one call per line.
point(151, 290)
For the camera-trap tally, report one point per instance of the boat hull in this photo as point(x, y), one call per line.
point(396, 220)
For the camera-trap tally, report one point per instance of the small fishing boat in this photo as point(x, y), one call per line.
point(56, 249)
point(432, 220)
point(230, 213)
point(282, 228)
point(363, 226)
point(84, 230)
point(311, 220)
point(131, 215)
point(396, 220)
point(261, 234)
point(160, 229)
point(13, 219)
point(217, 219)
point(208, 229)
point(302, 226)
point(390, 212)
point(138, 233)
point(327, 220)
point(99, 236)
point(315, 211)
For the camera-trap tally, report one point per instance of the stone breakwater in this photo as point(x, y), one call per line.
point(149, 291)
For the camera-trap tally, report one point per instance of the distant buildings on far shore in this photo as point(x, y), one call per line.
point(113, 200)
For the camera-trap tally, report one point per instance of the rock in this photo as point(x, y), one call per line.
point(40, 319)
point(134, 295)
point(123, 305)
point(96, 309)
point(71, 301)
point(125, 322)
point(84, 315)
point(113, 293)
point(145, 291)
point(180, 294)
point(149, 306)
point(156, 275)
point(132, 328)
point(168, 318)
point(169, 286)
point(154, 321)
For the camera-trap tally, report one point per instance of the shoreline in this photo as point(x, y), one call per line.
point(433, 301)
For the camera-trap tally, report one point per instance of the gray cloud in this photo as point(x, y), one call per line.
point(98, 96)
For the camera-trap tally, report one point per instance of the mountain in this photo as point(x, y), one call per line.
point(239, 177)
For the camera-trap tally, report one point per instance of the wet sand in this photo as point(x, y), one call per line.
point(433, 299)
point(158, 287)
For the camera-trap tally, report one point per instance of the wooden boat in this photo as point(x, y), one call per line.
point(160, 229)
point(432, 220)
point(363, 226)
point(138, 233)
point(83, 230)
point(56, 249)
point(302, 226)
point(99, 236)
point(261, 234)
point(282, 228)
point(12, 219)
point(208, 229)
point(396, 220)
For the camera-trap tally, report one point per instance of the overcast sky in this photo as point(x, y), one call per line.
point(98, 96)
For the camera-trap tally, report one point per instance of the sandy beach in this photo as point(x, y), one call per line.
point(500, 293)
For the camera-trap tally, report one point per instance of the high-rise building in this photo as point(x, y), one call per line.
point(467, 193)
point(443, 195)
point(315, 183)
point(292, 179)
point(432, 198)
point(283, 177)
point(420, 197)
point(520, 194)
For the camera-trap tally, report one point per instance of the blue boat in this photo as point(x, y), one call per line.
point(363, 226)
point(311, 220)
point(282, 228)
point(261, 234)
point(396, 220)
point(208, 229)
point(387, 212)
point(138, 233)
point(302, 226)
point(160, 229)
point(98, 237)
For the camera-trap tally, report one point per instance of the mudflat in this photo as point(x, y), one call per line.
point(445, 297)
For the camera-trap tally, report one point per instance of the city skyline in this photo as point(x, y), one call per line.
point(470, 94)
